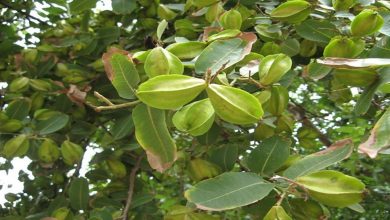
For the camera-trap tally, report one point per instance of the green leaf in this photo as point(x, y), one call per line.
point(79, 193)
point(161, 28)
point(333, 188)
point(234, 105)
point(187, 50)
point(221, 54)
point(225, 156)
point(269, 155)
point(302, 209)
point(152, 134)
point(125, 76)
point(290, 47)
point(123, 6)
point(123, 127)
point(317, 71)
point(379, 137)
point(338, 151)
point(354, 63)
point(195, 118)
point(162, 62)
point(203, 3)
point(364, 102)
point(277, 213)
point(317, 30)
point(18, 109)
point(228, 191)
point(16, 147)
point(170, 91)
point(52, 124)
point(77, 6)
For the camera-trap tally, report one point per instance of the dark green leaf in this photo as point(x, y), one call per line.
point(79, 193)
point(239, 189)
point(317, 30)
point(54, 123)
point(77, 6)
point(123, 6)
point(269, 155)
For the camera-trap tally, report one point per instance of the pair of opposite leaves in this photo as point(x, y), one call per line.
point(173, 91)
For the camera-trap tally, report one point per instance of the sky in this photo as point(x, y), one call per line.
point(9, 182)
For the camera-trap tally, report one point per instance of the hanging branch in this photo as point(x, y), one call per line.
point(131, 188)
point(300, 114)
point(6, 4)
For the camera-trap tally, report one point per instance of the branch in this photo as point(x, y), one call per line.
point(300, 114)
point(113, 107)
point(131, 188)
point(6, 4)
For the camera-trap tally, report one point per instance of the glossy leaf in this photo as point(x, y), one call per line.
point(269, 155)
point(379, 136)
point(195, 118)
point(234, 105)
point(170, 91)
point(239, 189)
point(333, 188)
point(152, 134)
point(338, 151)
point(79, 193)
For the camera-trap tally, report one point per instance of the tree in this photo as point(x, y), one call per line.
point(198, 109)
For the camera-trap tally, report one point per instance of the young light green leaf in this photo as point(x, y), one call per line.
point(54, 123)
point(269, 155)
point(187, 50)
point(195, 118)
point(16, 147)
point(317, 30)
point(273, 67)
point(338, 151)
point(152, 134)
point(79, 194)
point(277, 213)
point(170, 91)
point(290, 47)
point(333, 188)
point(234, 105)
point(162, 62)
point(379, 137)
point(239, 189)
point(161, 28)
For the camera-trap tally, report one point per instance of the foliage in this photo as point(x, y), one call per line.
point(197, 109)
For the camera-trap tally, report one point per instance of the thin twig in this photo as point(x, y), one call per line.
point(300, 114)
point(113, 107)
point(101, 97)
point(292, 182)
point(131, 188)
